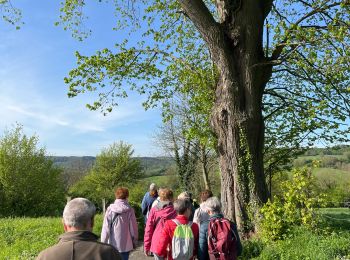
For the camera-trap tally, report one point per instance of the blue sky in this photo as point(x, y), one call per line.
point(33, 62)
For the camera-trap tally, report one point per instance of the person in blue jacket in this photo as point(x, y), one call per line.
point(213, 207)
point(148, 200)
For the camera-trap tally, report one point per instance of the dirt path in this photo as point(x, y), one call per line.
point(138, 253)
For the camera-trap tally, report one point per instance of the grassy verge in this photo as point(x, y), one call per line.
point(24, 238)
point(330, 241)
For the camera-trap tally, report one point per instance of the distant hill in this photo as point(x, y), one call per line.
point(336, 157)
point(153, 166)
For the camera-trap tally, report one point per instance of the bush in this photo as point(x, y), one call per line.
point(30, 185)
point(252, 248)
point(139, 218)
point(114, 167)
point(296, 207)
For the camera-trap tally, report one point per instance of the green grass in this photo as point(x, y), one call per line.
point(330, 240)
point(24, 238)
point(161, 181)
point(328, 174)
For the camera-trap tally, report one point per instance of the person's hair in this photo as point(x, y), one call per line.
point(213, 204)
point(78, 213)
point(166, 194)
point(206, 194)
point(121, 193)
point(153, 190)
point(184, 196)
point(181, 205)
point(152, 187)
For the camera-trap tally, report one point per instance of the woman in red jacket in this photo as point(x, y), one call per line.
point(163, 211)
point(183, 210)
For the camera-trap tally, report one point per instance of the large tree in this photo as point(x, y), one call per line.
point(282, 71)
point(30, 184)
point(113, 167)
point(185, 135)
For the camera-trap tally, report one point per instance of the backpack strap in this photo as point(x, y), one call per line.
point(178, 222)
point(114, 218)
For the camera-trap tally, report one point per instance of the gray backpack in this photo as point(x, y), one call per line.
point(183, 241)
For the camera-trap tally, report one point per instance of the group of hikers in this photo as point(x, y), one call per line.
point(174, 229)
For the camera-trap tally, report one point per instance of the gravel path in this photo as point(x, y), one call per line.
point(138, 254)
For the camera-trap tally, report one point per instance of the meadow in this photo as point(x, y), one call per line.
point(24, 238)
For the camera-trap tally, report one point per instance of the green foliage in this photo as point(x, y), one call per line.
point(10, 14)
point(305, 101)
point(30, 185)
point(139, 218)
point(295, 207)
point(137, 191)
point(114, 167)
point(252, 248)
point(305, 244)
point(329, 241)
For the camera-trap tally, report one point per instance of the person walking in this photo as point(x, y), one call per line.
point(218, 237)
point(119, 225)
point(148, 199)
point(172, 243)
point(161, 212)
point(185, 195)
point(201, 215)
point(78, 242)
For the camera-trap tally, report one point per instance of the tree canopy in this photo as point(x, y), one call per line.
point(10, 14)
point(280, 76)
point(114, 167)
point(30, 185)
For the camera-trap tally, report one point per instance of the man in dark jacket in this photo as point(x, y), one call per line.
point(213, 208)
point(78, 242)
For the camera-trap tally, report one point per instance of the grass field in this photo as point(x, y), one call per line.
point(160, 180)
point(328, 174)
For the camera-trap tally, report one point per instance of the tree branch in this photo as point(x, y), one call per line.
point(279, 47)
point(201, 17)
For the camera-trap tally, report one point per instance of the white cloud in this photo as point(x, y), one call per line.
point(32, 66)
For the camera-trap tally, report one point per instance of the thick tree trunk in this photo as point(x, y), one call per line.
point(240, 132)
point(235, 44)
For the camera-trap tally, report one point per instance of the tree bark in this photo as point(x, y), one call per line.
point(204, 163)
point(236, 47)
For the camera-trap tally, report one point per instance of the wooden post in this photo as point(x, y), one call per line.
point(104, 206)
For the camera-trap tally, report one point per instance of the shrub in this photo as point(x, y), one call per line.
point(295, 207)
point(30, 185)
point(114, 167)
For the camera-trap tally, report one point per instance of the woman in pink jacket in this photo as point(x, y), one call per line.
point(163, 211)
point(119, 225)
